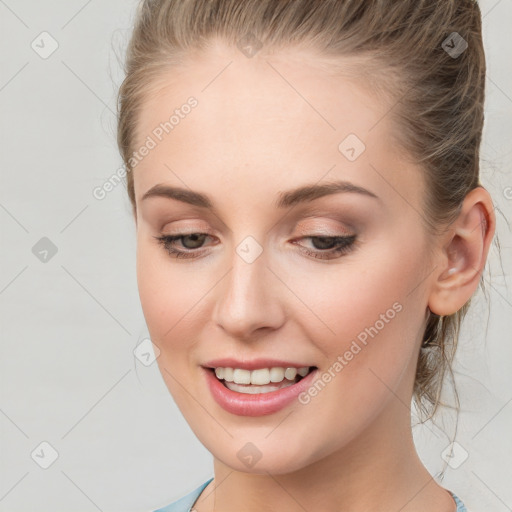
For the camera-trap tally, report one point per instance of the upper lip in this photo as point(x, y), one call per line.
point(254, 364)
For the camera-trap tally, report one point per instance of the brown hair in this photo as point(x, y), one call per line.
point(435, 84)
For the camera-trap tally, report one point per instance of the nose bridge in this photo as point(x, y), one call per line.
point(248, 299)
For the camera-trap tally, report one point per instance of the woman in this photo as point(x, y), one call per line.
point(304, 178)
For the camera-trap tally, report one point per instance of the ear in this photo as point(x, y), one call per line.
point(462, 258)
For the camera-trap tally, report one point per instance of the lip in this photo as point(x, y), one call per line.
point(258, 404)
point(255, 364)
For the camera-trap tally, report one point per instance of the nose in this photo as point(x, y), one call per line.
point(249, 299)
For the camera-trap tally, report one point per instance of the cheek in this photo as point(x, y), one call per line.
point(167, 294)
point(170, 302)
point(366, 319)
point(369, 361)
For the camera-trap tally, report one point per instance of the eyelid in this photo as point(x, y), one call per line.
point(319, 223)
point(323, 233)
point(186, 230)
point(319, 228)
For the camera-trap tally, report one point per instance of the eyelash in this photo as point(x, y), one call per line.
point(345, 244)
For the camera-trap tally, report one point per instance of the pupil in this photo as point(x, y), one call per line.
point(323, 242)
point(196, 238)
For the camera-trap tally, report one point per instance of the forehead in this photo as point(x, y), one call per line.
point(268, 121)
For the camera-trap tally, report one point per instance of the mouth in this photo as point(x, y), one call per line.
point(245, 398)
point(263, 380)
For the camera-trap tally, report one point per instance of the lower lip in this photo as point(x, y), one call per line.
point(260, 404)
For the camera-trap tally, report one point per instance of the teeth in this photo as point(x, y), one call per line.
point(303, 371)
point(260, 377)
point(254, 390)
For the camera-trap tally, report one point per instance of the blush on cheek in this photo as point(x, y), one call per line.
point(170, 300)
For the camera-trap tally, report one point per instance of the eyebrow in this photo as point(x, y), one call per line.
point(304, 194)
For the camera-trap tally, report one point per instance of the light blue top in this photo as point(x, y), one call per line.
point(185, 503)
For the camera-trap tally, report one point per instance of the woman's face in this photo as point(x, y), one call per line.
point(256, 285)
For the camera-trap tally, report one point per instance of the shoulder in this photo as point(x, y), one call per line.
point(185, 503)
point(460, 506)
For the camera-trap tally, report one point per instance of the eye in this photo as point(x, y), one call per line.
point(326, 247)
point(329, 247)
point(190, 241)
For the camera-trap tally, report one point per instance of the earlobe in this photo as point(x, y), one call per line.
point(464, 254)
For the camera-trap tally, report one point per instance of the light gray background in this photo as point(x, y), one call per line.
point(69, 325)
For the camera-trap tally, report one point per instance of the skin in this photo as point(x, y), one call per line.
point(252, 136)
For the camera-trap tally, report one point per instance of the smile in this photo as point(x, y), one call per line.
point(235, 392)
point(257, 381)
